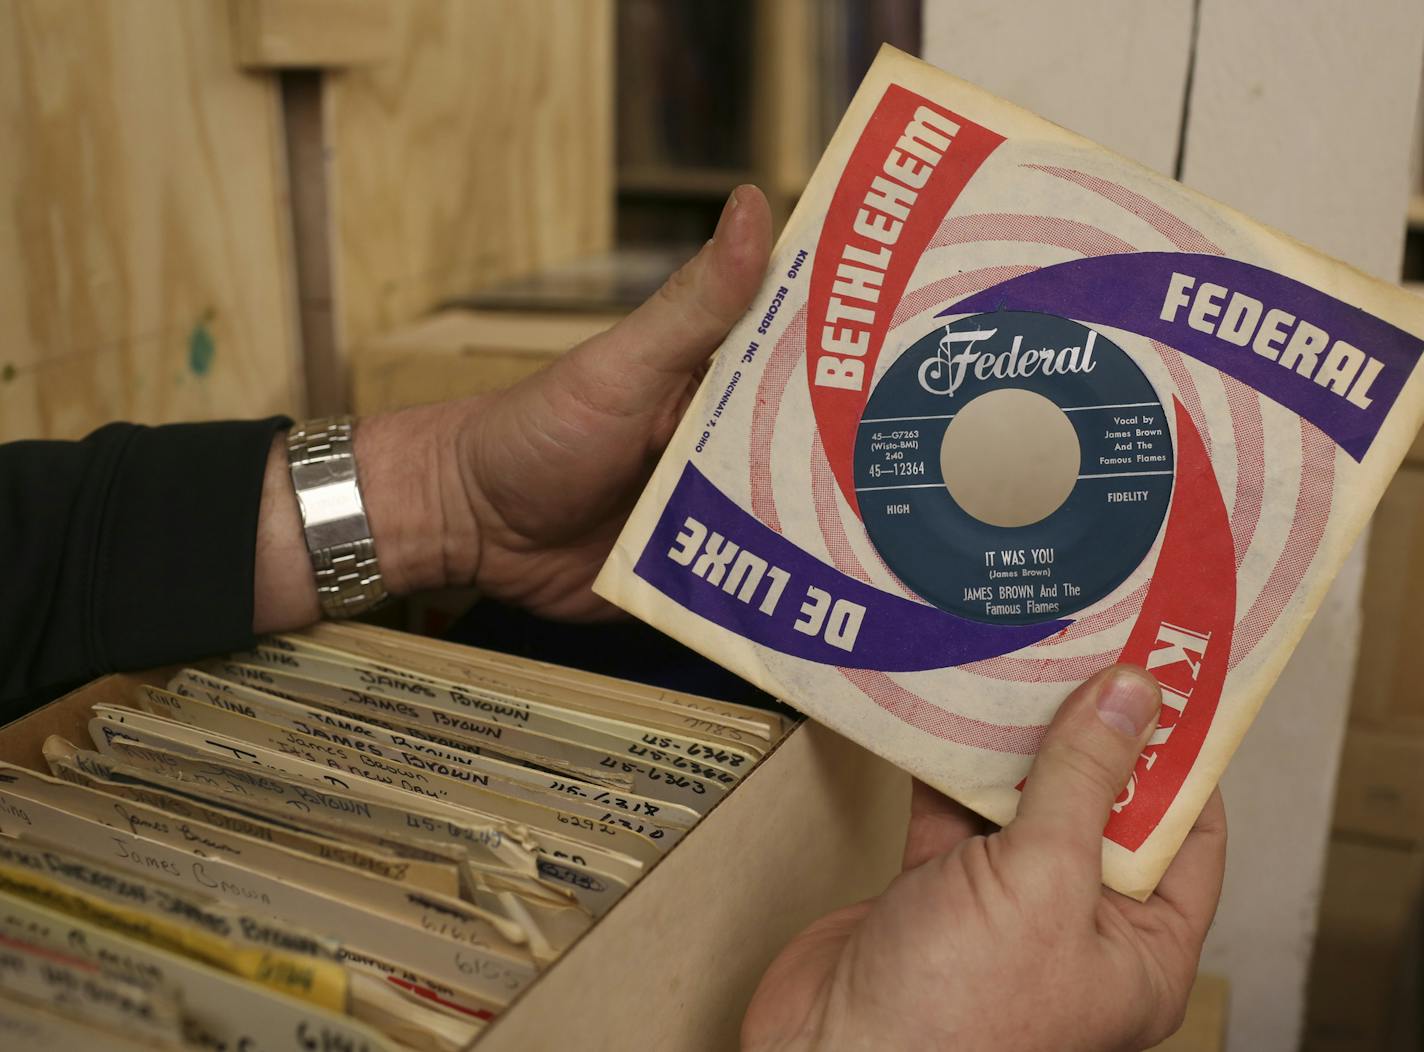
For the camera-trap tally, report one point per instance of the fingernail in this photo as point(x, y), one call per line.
point(727, 210)
point(1128, 701)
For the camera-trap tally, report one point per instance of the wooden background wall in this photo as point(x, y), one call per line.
point(484, 149)
point(152, 265)
point(145, 266)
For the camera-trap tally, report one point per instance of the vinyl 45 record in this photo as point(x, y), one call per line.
point(1236, 403)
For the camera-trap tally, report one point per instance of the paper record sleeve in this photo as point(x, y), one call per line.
point(1263, 395)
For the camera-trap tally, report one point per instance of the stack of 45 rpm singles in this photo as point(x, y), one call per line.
point(348, 838)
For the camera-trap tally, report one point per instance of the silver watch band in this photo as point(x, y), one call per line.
point(323, 465)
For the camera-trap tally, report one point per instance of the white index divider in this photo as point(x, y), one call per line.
point(86, 873)
point(432, 824)
point(228, 1012)
point(158, 775)
point(500, 844)
point(595, 887)
point(159, 769)
point(545, 820)
point(448, 940)
point(441, 878)
point(744, 723)
point(182, 737)
point(559, 918)
point(25, 1025)
point(504, 707)
point(478, 736)
point(145, 1012)
point(641, 814)
point(676, 783)
point(352, 887)
point(256, 948)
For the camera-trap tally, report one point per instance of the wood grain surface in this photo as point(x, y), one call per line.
point(144, 259)
point(482, 150)
point(454, 353)
point(307, 34)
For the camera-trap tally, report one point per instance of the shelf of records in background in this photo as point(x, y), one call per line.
point(714, 93)
point(349, 836)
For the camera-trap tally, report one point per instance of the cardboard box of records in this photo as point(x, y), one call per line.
point(354, 838)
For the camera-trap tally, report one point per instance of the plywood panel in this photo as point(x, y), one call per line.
point(144, 260)
point(1305, 122)
point(306, 34)
point(483, 150)
point(1113, 70)
point(455, 353)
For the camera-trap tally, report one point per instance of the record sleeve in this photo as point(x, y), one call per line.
point(1237, 402)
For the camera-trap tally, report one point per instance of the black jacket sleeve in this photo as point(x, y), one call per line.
point(132, 547)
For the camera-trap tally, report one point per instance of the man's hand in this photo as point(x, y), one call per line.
point(522, 492)
point(1007, 940)
point(553, 466)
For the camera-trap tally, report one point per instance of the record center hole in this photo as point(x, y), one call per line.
point(1010, 457)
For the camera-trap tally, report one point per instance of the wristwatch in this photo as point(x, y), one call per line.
point(348, 576)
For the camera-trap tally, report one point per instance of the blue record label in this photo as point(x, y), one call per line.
point(1062, 563)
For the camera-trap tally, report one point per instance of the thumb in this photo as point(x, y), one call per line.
point(1084, 763)
point(673, 332)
